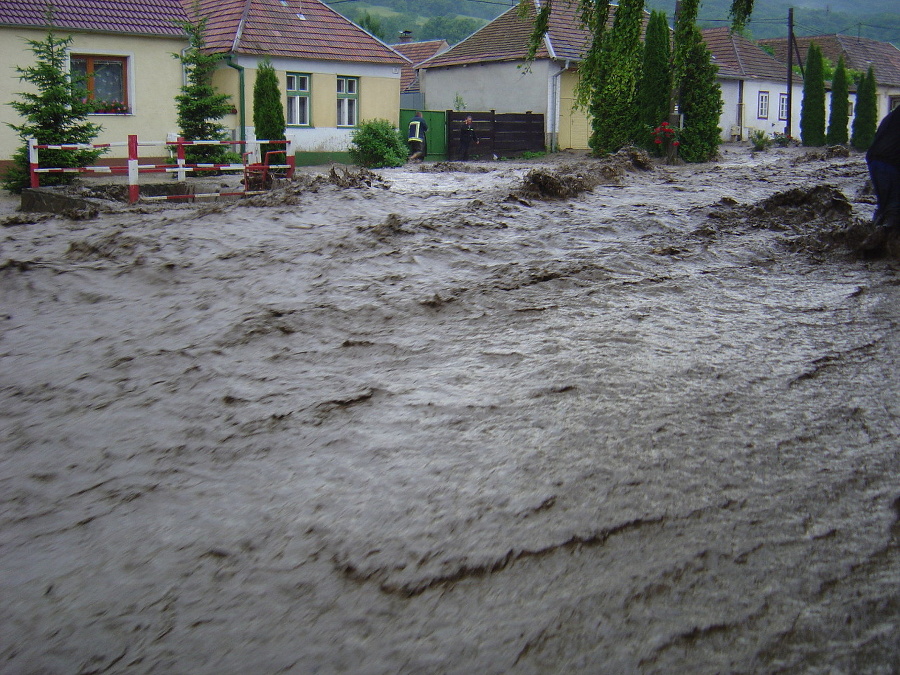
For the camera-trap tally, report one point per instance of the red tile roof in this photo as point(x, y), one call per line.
point(416, 52)
point(859, 54)
point(736, 56)
point(506, 37)
point(256, 27)
point(135, 17)
point(306, 29)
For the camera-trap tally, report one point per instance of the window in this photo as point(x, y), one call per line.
point(782, 106)
point(298, 99)
point(105, 78)
point(347, 101)
point(762, 107)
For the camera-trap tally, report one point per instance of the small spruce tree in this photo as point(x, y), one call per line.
point(54, 114)
point(866, 120)
point(839, 120)
point(614, 109)
point(199, 106)
point(812, 112)
point(268, 112)
point(655, 87)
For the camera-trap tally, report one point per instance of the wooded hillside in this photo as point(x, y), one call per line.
point(454, 20)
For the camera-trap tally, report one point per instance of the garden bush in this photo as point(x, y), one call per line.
point(376, 144)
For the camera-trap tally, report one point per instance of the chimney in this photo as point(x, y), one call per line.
point(406, 36)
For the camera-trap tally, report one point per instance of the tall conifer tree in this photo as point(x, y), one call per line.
point(699, 94)
point(839, 120)
point(613, 107)
point(655, 87)
point(812, 112)
point(268, 111)
point(866, 121)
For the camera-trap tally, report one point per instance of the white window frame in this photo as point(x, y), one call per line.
point(762, 105)
point(782, 106)
point(299, 105)
point(347, 101)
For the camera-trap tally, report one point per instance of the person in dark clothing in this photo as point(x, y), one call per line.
point(467, 136)
point(883, 159)
point(416, 137)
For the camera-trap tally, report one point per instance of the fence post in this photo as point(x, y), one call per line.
point(182, 174)
point(494, 133)
point(33, 163)
point(291, 156)
point(134, 190)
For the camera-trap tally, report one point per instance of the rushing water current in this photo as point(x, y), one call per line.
point(435, 426)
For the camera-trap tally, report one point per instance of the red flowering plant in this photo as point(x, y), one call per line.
point(110, 107)
point(666, 137)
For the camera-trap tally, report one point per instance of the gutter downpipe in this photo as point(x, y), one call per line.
point(555, 107)
point(242, 101)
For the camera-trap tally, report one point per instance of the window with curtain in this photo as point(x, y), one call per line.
point(106, 80)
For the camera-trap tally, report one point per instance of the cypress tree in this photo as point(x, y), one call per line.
point(55, 113)
point(866, 121)
point(839, 121)
point(655, 88)
point(812, 114)
point(699, 94)
point(199, 106)
point(613, 108)
point(268, 111)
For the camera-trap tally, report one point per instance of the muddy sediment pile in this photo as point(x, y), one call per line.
point(570, 180)
point(818, 220)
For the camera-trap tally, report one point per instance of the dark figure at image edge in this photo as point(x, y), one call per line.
point(416, 137)
point(467, 137)
point(883, 159)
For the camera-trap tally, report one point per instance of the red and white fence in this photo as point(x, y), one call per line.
point(134, 168)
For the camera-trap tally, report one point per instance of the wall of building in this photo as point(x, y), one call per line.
point(379, 98)
point(504, 87)
point(153, 80)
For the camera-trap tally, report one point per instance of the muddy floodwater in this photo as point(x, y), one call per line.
point(427, 421)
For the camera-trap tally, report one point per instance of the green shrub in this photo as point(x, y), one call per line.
point(376, 144)
point(760, 140)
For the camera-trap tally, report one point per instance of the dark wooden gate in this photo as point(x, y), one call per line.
point(499, 134)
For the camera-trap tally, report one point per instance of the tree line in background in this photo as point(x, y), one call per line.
point(453, 29)
point(875, 19)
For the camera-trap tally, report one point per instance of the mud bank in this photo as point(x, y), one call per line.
point(423, 422)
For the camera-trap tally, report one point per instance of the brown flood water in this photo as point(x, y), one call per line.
point(431, 424)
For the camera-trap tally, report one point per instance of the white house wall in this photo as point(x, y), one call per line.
point(740, 111)
point(502, 86)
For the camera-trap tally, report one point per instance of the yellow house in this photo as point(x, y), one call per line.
point(334, 74)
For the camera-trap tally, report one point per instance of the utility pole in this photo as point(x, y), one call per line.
point(790, 72)
point(676, 119)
